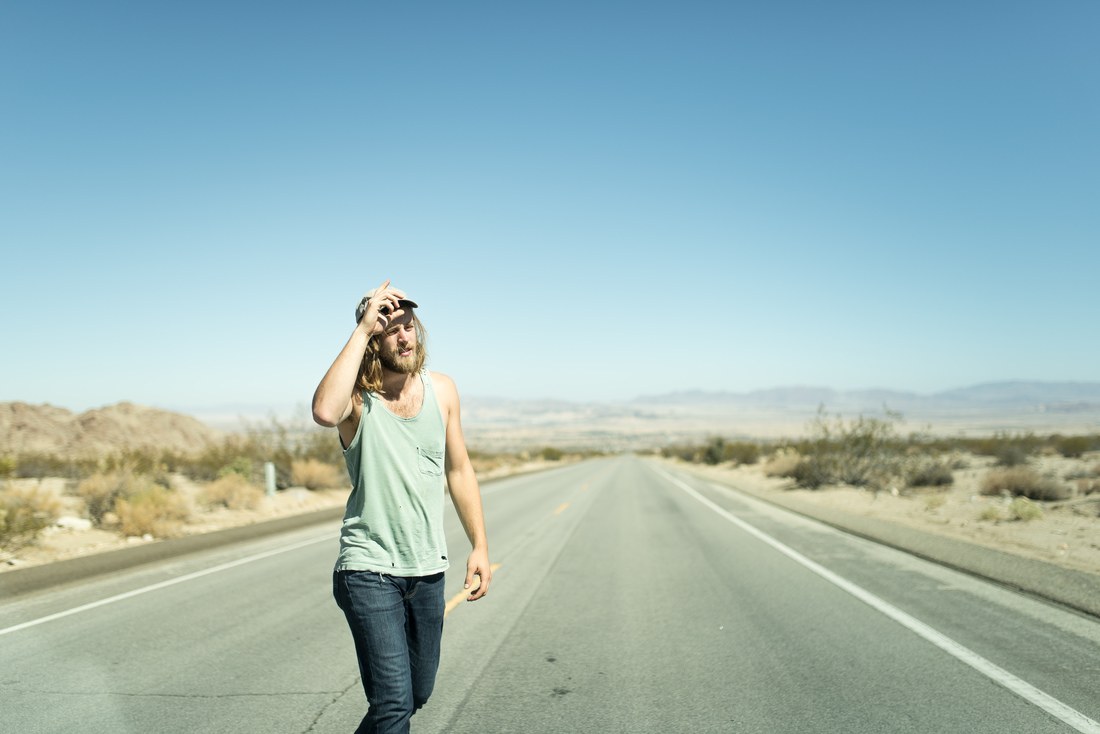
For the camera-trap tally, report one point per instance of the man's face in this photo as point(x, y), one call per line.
point(397, 348)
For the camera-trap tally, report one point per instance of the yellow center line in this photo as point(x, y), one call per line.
point(461, 596)
point(561, 508)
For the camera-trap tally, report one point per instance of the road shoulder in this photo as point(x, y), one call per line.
point(1072, 588)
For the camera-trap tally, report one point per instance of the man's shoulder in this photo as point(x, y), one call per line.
point(439, 378)
point(444, 385)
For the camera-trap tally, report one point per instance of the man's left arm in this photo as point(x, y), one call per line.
point(464, 489)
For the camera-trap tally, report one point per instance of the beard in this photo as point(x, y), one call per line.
point(394, 362)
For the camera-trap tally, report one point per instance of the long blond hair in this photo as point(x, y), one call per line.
point(370, 371)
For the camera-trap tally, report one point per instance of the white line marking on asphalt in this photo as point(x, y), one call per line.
point(164, 584)
point(1025, 690)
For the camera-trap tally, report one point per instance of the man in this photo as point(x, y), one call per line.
point(401, 431)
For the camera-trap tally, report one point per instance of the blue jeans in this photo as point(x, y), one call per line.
point(397, 623)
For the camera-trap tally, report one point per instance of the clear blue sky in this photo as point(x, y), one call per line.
point(590, 200)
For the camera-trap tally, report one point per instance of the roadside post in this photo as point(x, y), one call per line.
point(269, 478)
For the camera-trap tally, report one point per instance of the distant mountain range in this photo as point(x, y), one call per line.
point(1013, 395)
point(658, 420)
point(494, 424)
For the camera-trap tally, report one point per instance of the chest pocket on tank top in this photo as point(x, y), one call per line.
point(430, 461)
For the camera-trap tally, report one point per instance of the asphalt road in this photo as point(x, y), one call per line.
point(628, 599)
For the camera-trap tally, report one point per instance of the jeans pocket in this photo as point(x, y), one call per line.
point(430, 461)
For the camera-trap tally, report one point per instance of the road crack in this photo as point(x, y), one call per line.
point(336, 696)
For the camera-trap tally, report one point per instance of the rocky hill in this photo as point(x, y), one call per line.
point(47, 429)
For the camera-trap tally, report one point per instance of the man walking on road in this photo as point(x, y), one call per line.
point(401, 431)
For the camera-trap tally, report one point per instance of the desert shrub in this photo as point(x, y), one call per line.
point(680, 451)
point(1022, 481)
point(813, 472)
point(718, 450)
point(102, 491)
point(991, 514)
point(714, 451)
point(153, 462)
point(935, 501)
point(24, 512)
point(1085, 480)
point(742, 452)
point(927, 472)
point(1012, 455)
point(1024, 509)
point(782, 463)
point(1086, 485)
point(957, 460)
point(232, 491)
point(155, 511)
point(7, 466)
point(145, 462)
point(1072, 447)
point(551, 454)
point(235, 451)
point(322, 444)
point(38, 465)
point(860, 452)
point(313, 474)
point(1084, 472)
point(485, 462)
point(280, 443)
point(1009, 450)
point(241, 466)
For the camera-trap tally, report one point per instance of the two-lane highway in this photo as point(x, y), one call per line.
point(628, 598)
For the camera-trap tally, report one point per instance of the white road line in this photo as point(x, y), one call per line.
point(1025, 690)
point(164, 584)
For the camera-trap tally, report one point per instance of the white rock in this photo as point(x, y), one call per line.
point(73, 523)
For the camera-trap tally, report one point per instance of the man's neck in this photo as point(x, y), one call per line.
point(394, 384)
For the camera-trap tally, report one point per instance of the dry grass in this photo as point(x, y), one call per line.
point(233, 492)
point(782, 463)
point(1085, 480)
point(314, 474)
point(1019, 509)
point(133, 503)
point(934, 502)
point(486, 463)
point(928, 471)
point(101, 491)
point(1087, 485)
point(991, 514)
point(155, 511)
point(24, 511)
point(1022, 481)
point(1024, 509)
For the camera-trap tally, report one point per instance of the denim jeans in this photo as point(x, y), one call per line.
point(397, 623)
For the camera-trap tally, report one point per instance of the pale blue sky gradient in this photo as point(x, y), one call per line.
point(590, 200)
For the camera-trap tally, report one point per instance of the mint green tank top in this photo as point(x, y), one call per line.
point(394, 518)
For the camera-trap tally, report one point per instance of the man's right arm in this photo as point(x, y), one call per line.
point(332, 400)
